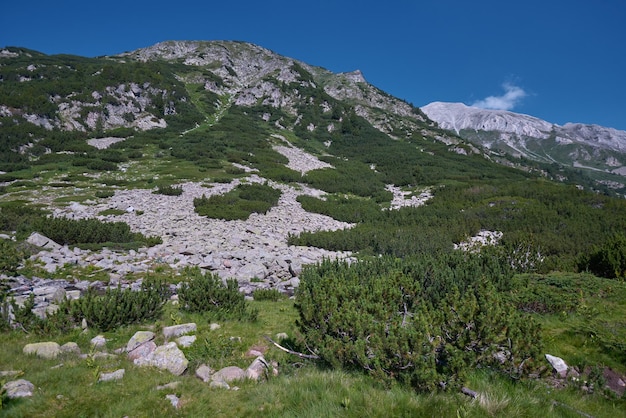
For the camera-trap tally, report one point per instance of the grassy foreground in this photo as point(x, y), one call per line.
point(68, 387)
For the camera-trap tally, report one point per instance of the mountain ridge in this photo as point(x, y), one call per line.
point(573, 144)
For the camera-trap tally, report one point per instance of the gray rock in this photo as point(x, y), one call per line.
point(138, 339)
point(169, 386)
point(252, 270)
point(18, 389)
point(70, 347)
point(185, 341)
point(175, 401)
point(178, 330)
point(40, 240)
point(48, 350)
point(98, 341)
point(142, 351)
point(229, 374)
point(257, 369)
point(204, 373)
point(558, 364)
point(215, 326)
point(107, 377)
point(166, 357)
point(219, 384)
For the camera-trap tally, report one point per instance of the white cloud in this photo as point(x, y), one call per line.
point(511, 98)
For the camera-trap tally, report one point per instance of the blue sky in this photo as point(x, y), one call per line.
point(559, 60)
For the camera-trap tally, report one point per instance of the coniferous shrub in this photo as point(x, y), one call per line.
point(9, 257)
point(239, 203)
point(169, 190)
point(424, 322)
point(268, 294)
point(118, 307)
point(608, 260)
point(207, 293)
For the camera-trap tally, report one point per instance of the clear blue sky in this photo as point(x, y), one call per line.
point(560, 60)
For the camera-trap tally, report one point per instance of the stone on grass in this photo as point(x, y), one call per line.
point(70, 347)
point(257, 369)
point(186, 340)
point(204, 373)
point(20, 388)
point(229, 374)
point(558, 364)
point(178, 330)
point(219, 384)
point(215, 326)
point(107, 377)
point(138, 339)
point(98, 341)
point(169, 386)
point(166, 357)
point(142, 351)
point(46, 350)
point(175, 401)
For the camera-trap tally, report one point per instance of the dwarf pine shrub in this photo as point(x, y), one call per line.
point(207, 293)
point(423, 322)
point(118, 307)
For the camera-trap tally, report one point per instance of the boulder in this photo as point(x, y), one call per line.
point(70, 347)
point(558, 364)
point(257, 369)
point(140, 337)
point(142, 351)
point(204, 373)
point(178, 330)
point(185, 341)
point(40, 240)
point(48, 350)
point(229, 374)
point(166, 357)
point(18, 389)
point(98, 341)
point(107, 377)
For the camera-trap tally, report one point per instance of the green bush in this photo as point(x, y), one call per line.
point(103, 194)
point(90, 231)
point(424, 322)
point(239, 203)
point(101, 165)
point(268, 294)
point(609, 260)
point(118, 307)
point(9, 257)
point(169, 190)
point(207, 293)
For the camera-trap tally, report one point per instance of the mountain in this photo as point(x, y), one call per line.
point(589, 147)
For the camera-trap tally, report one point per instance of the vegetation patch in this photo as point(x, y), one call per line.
point(239, 203)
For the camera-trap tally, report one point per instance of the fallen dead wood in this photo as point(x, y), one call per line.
point(295, 353)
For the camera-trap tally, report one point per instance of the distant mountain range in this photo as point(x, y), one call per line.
point(589, 147)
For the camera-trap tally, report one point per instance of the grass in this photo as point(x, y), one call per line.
point(304, 388)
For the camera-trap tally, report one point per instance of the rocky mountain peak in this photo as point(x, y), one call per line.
point(579, 145)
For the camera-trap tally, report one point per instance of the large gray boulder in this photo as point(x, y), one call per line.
point(558, 364)
point(47, 350)
point(166, 357)
point(140, 337)
point(257, 369)
point(20, 388)
point(40, 240)
point(229, 374)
